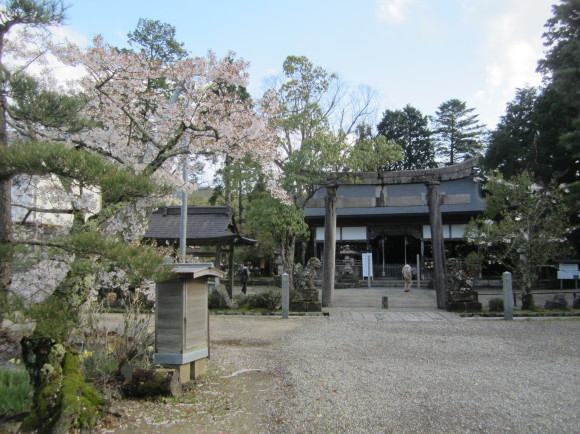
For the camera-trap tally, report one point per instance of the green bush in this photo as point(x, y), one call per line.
point(269, 300)
point(98, 366)
point(15, 390)
point(496, 305)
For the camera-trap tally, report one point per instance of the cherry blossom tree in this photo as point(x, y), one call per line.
point(524, 228)
point(117, 134)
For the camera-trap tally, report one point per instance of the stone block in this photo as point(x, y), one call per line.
point(198, 368)
point(461, 296)
point(385, 303)
point(305, 306)
point(183, 370)
point(463, 306)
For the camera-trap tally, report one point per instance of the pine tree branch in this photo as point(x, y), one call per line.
point(45, 210)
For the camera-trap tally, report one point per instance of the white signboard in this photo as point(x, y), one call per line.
point(367, 264)
point(569, 271)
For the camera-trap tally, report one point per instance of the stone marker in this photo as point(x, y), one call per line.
point(385, 303)
point(508, 297)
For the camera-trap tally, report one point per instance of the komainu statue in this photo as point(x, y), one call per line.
point(304, 280)
point(461, 297)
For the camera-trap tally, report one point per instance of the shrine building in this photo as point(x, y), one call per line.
point(387, 214)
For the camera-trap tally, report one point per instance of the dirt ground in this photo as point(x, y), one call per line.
point(233, 396)
point(243, 389)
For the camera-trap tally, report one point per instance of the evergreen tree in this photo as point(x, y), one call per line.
point(157, 40)
point(513, 145)
point(409, 129)
point(35, 14)
point(559, 109)
point(458, 132)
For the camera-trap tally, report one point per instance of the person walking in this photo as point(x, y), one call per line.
point(245, 276)
point(407, 277)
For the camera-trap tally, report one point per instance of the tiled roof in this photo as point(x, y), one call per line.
point(205, 225)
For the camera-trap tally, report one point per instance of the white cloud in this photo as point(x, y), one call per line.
point(510, 47)
point(392, 11)
point(62, 34)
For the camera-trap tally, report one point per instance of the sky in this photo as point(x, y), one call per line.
point(418, 52)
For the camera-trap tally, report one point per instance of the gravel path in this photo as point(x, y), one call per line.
point(346, 376)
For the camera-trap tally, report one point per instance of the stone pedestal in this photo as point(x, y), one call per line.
point(198, 368)
point(462, 301)
point(305, 306)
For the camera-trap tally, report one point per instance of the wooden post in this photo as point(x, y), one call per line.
point(230, 286)
point(329, 246)
point(439, 267)
point(218, 257)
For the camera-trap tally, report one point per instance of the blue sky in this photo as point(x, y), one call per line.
point(421, 52)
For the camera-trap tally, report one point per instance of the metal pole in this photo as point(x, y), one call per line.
point(183, 219)
point(508, 299)
point(285, 295)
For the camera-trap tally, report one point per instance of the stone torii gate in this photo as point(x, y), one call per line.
point(432, 179)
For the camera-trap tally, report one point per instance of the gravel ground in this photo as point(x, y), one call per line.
point(344, 376)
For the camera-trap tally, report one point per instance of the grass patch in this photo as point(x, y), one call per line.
point(15, 390)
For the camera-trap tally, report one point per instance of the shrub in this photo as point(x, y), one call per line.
point(269, 300)
point(15, 390)
point(98, 367)
point(496, 305)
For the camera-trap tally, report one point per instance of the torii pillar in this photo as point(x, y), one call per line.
point(435, 220)
point(329, 246)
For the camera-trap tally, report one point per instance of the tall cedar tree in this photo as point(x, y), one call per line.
point(409, 129)
point(458, 131)
point(560, 105)
point(513, 145)
point(561, 66)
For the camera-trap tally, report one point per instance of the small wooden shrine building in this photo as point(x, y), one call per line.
point(207, 226)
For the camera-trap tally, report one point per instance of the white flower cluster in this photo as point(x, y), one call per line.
point(36, 282)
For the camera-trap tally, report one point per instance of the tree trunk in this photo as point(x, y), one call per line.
point(5, 211)
point(287, 253)
point(528, 281)
point(439, 266)
point(329, 247)
point(5, 244)
point(62, 401)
